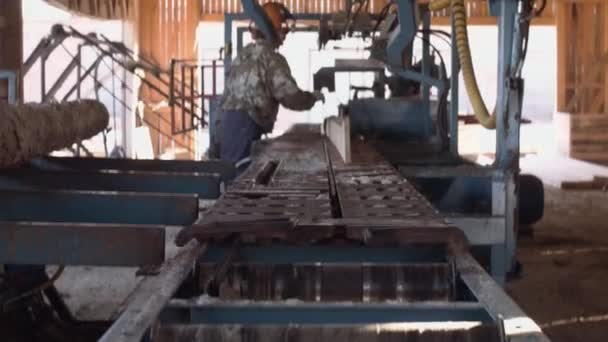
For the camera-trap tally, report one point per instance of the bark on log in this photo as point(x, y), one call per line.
point(33, 130)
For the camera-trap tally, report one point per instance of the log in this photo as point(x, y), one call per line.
point(34, 130)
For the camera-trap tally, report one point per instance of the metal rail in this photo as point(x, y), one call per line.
point(387, 220)
point(118, 221)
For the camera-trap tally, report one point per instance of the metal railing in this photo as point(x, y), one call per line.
point(176, 86)
point(189, 99)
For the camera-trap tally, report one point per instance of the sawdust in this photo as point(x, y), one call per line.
point(34, 130)
point(563, 285)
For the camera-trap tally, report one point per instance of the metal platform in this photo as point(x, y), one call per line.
point(304, 247)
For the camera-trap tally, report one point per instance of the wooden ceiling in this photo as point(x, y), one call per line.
point(214, 9)
point(101, 9)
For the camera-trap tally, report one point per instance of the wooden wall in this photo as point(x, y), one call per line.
point(11, 42)
point(582, 78)
point(582, 44)
point(165, 29)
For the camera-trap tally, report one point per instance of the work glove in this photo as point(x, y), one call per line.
point(319, 96)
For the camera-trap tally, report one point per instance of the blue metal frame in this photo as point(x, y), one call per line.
point(454, 84)
point(480, 298)
point(117, 220)
point(484, 300)
point(403, 35)
point(328, 254)
point(81, 244)
point(322, 313)
point(11, 78)
point(230, 18)
point(509, 102)
point(225, 170)
point(99, 207)
point(206, 186)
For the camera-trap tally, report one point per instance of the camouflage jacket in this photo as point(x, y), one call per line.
point(260, 80)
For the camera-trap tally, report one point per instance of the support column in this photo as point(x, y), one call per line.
point(164, 30)
point(11, 44)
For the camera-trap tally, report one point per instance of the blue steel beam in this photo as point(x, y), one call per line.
point(247, 313)
point(327, 254)
point(98, 207)
point(11, 77)
point(206, 186)
point(81, 244)
point(518, 327)
point(225, 169)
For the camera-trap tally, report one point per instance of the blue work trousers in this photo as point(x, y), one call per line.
point(239, 131)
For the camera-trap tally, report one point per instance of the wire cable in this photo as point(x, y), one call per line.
point(45, 285)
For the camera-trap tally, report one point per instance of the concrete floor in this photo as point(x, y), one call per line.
point(99, 293)
point(563, 285)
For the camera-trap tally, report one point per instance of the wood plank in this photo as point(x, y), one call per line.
point(580, 139)
point(590, 156)
point(591, 67)
point(589, 151)
point(581, 74)
point(577, 185)
point(598, 183)
point(583, 121)
point(151, 295)
point(582, 136)
point(337, 129)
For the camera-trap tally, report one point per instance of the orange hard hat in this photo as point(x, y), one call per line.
point(278, 15)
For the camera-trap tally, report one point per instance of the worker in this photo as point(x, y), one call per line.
point(259, 80)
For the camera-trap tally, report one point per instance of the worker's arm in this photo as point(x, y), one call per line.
point(285, 89)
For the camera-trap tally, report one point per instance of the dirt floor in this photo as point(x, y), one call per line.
point(564, 284)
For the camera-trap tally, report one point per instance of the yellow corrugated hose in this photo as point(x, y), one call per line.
point(438, 5)
point(466, 64)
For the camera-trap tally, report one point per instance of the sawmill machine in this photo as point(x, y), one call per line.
point(411, 114)
point(399, 239)
point(334, 235)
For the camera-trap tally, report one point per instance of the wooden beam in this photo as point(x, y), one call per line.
point(439, 20)
point(490, 21)
point(477, 10)
point(605, 51)
point(163, 32)
point(562, 21)
point(11, 43)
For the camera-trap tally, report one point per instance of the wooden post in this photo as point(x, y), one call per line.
point(605, 52)
point(163, 30)
point(563, 45)
point(11, 43)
